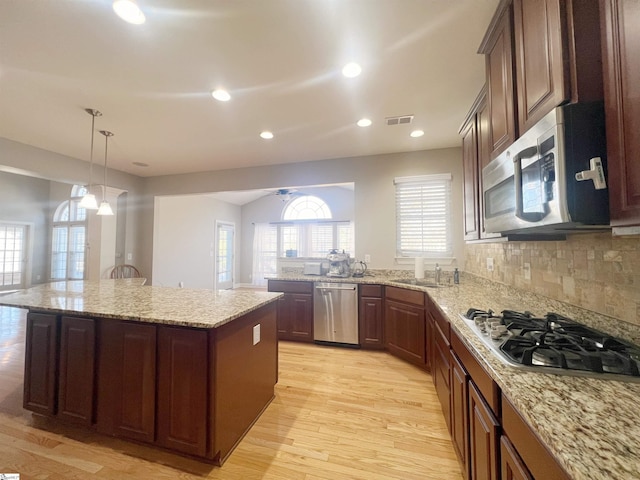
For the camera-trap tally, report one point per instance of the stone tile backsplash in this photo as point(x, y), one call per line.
point(597, 271)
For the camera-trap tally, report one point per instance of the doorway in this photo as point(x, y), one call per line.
point(225, 235)
point(13, 256)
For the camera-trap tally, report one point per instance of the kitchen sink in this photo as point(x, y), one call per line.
point(420, 282)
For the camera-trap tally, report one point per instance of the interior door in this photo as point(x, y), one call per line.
point(13, 256)
point(225, 234)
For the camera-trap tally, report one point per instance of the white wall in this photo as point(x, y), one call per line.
point(184, 239)
point(374, 207)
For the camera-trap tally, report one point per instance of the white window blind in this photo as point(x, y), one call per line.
point(423, 216)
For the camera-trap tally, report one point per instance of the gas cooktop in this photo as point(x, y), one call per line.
point(555, 344)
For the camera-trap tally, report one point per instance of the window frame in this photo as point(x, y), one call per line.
point(425, 216)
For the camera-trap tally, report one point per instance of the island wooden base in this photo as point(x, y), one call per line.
point(192, 391)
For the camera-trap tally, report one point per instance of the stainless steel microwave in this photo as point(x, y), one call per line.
point(553, 178)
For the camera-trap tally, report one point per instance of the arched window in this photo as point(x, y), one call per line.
point(307, 207)
point(69, 237)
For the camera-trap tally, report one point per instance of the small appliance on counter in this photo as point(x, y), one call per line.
point(358, 269)
point(340, 264)
point(313, 268)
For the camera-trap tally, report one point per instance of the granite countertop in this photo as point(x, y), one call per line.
point(590, 425)
point(129, 299)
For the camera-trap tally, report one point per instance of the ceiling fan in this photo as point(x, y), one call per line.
point(286, 194)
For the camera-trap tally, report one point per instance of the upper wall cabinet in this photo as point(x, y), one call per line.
point(498, 48)
point(621, 54)
point(475, 156)
point(553, 46)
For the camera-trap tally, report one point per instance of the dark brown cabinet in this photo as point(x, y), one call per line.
point(441, 368)
point(621, 55)
point(460, 413)
point(484, 434)
point(41, 358)
point(475, 156)
point(529, 454)
point(539, 54)
point(182, 390)
point(370, 317)
point(295, 310)
point(498, 49)
point(127, 380)
point(511, 465)
point(404, 325)
point(76, 370)
point(557, 56)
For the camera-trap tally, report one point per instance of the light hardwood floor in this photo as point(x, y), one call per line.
point(338, 414)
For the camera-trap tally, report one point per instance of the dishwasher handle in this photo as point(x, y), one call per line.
point(320, 287)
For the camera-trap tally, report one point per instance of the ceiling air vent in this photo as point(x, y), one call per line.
point(402, 120)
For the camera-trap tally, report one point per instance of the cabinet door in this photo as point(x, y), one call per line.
point(540, 65)
point(498, 49)
point(484, 432)
point(511, 465)
point(127, 380)
point(77, 367)
point(471, 182)
point(621, 56)
point(460, 413)
point(371, 324)
point(41, 358)
point(405, 332)
point(441, 372)
point(301, 317)
point(182, 390)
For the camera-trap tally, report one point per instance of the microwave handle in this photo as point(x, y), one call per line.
point(517, 177)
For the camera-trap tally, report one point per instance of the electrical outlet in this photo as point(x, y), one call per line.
point(256, 334)
point(527, 271)
point(367, 258)
point(129, 256)
point(490, 264)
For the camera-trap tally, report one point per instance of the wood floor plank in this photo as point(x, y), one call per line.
point(338, 414)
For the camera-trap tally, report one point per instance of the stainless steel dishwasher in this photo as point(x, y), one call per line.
point(335, 313)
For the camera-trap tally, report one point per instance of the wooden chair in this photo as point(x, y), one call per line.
point(124, 271)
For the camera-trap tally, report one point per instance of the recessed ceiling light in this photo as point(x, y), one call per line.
point(266, 135)
point(417, 133)
point(364, 122)
point(129, 11)
point(351, 70)
point(221, 95)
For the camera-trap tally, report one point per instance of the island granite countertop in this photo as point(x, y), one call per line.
point(130, 299)
point(590, 425)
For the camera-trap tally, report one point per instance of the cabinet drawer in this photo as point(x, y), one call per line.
point(440, 320)
point(481, 378)
point(288, 286)
point(406, 296)
point(371, 291)
point(535, 455)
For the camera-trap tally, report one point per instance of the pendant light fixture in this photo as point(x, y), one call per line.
point(105, 208)
point(89, 199)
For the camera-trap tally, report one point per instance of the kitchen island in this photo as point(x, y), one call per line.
point(185, 370)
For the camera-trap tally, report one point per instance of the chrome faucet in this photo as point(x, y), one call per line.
point(438, 270)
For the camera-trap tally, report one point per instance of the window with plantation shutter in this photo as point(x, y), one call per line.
point(423, 216)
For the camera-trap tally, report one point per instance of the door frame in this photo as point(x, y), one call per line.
point(218, 225)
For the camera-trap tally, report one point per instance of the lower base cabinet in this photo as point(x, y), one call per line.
point(460, 413)
point(484, 435)
point(405, 325)
point(371, 317)
point(295, 310)
point(182, 390)
point(511, 465)
point(189, 390)
point(127, 380)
